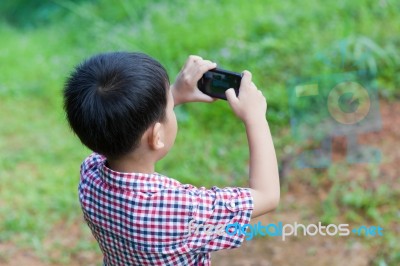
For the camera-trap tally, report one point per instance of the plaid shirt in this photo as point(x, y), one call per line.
point(143, 219)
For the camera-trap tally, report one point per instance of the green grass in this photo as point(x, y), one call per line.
point(277, 41)
point(364, 200)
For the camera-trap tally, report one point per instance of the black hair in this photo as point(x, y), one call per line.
point(112, 98)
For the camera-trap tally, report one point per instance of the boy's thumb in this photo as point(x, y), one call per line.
point(231, 96)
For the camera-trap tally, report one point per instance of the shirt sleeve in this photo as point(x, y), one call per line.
point(214, 211)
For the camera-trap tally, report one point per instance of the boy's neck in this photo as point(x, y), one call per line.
point(132, 163)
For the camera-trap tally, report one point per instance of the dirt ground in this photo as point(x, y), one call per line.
point(299, 200)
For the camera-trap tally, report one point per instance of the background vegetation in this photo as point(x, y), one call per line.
point(278, 41)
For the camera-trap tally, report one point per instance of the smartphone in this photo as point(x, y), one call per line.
point(216, 81)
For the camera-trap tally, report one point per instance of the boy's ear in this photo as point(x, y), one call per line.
point(156, 137)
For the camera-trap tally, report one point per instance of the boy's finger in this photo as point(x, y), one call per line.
point(201, 97)
point(207, 66)
point(207, 62)
point(246, 79)
point(191, 59)
point(194, 58)
point(210, 65)
point(231, 97)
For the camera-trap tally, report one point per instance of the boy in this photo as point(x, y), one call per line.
point(120, 105)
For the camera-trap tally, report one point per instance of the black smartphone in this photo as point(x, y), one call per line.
point(216, 81)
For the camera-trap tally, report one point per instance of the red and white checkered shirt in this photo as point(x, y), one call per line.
point(143, 219)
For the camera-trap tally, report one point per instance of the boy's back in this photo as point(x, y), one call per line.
point(120, 106)
point(150, 219)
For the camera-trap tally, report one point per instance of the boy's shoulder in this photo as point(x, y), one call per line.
point(94, 168)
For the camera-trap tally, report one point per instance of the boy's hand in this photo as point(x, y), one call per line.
point(250, 106)
point(185, 87)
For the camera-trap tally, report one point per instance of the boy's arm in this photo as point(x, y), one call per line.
point(251, 107)
point(185, 87)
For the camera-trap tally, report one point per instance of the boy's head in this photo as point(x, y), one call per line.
point(111, 100)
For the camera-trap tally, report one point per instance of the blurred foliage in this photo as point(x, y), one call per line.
point(30, 13)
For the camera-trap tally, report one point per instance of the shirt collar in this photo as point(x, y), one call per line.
point(136, 181)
